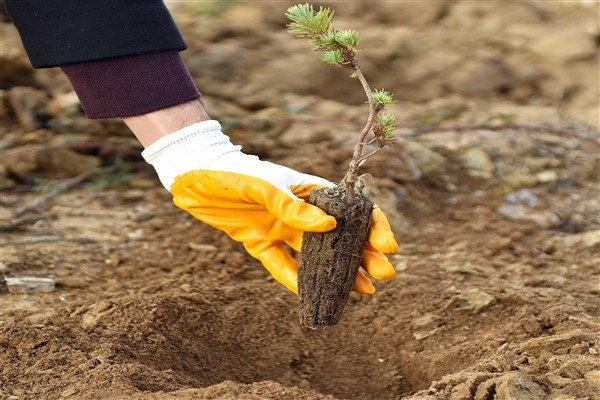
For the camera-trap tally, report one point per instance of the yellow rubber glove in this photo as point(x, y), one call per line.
point(257, 203)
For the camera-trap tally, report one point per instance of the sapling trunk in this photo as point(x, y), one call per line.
point(330, 261)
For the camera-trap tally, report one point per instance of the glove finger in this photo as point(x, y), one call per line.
point(376, 263)
point(278, 262)
point(363, 284)
point(303, 191)
point(381, 236)
point(295, 242)
point(298, 214)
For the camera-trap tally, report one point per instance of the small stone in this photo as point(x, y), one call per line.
point(140, 213)
point(426, 326)
point(520, 180)
point(68, 392)
point(202, 247)
point(427, 321)
point(478, 162)
point(135, 235)
point(133, 195)
point(523, 196)
point(29, 285)
point(186, 287)
point(546, 176)
point(544, 219)
point(517, 385)
point(427, 161)
point(475, 300)
point(467, 268)
point(401, 265)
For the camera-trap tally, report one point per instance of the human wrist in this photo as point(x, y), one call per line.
point(191, 148)
point(152, 126)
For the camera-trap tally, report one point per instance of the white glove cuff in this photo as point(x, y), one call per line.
point(193, 147)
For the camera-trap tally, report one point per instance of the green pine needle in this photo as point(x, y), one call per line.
point(347, 39)
point(327, 40)
point(307, 22)
point(388, 121)
point(382, 96)
point(333, 57)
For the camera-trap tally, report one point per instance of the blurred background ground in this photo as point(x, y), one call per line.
point(492, 191)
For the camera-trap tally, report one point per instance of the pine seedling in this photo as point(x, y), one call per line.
point(330, 261)
point(339, 48)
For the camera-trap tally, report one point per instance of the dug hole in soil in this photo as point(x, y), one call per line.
point(492, 191)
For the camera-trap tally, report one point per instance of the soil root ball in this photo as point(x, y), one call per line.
point(330, 261)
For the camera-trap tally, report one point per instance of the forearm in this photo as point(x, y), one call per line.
point(152, 126)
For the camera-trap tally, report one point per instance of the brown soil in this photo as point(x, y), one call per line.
point(496, 294)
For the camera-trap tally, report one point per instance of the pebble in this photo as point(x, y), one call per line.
point(519, 180)
point(523, 196)
point(517, 385)
point(133, 195)
point(590, 240)
point(467, 269)
point(202, 247)
point(29, 284)
point(140, 213)
point(476, 300)
point(68, 392)
point(546, 176)
point(427, 161)
point(478, 163)
point(426, 326)
point(135, 235)
point(544, 219)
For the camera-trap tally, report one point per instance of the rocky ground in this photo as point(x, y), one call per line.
point(492, 191)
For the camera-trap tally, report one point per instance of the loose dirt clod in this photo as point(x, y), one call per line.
point(330, 260)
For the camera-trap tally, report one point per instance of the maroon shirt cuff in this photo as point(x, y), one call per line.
point(132, 85)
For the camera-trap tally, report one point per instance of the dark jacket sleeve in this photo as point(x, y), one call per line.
point(58, 32)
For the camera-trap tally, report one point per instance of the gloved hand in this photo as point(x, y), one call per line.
point(257, 203)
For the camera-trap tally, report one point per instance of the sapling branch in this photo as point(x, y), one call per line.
point(338, 48)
